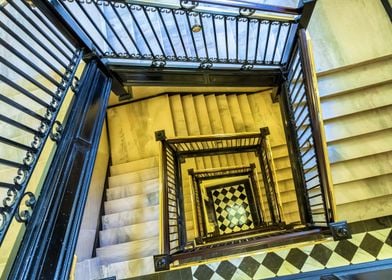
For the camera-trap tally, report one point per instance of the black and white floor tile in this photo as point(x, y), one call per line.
point(363, 247)
point(232, 209)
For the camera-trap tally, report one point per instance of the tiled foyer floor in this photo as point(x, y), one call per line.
point(232, 209)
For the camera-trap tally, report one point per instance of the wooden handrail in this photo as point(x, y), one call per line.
point(315, 115)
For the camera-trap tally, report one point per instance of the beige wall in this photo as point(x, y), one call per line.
point(91, 216)
point(345, 32)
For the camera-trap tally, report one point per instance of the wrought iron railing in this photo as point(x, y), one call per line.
point(269, 179)
point(37, 69)
point(176, 149)
point(308, 151)
point(173, 231)
point(192, 34)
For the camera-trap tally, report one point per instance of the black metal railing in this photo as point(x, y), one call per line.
point(270, 184)
point(173, 232)
point(176, 149)
point(37, 69)
point(193, 34)
point(305, 126)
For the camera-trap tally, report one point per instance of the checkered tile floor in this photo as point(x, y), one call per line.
point(232, 209)
point(363, 247)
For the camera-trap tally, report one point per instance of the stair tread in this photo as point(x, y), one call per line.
point(129, 233)
point(130, 268)
point(128, 250)
point(132, 189)
point(133, 177)
point(133, 166)
point(130, 217)
point(131, 202)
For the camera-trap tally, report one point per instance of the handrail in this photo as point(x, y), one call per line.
point(317, 121)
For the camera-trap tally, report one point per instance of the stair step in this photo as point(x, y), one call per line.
point(132, 166)
point(132, 189)
point(128, 251)
point(135, 216)
point(88, 269)
point(131, 202)
point(129, 269)
point(129, 233)
point(133, 177)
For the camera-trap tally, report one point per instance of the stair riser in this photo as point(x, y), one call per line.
point(129, 233)
point(133, 202)
point(135, 177)
point(130, 217)
point(132, 189)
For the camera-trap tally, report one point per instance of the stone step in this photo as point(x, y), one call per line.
point(132, 166)
point(365, 99)
point(364, 189)
point(177, 111)
point(133, 177)
point(365, 145)
point(132, 189)
point(341, 82)
point(362, 168)
point(88, 269)
point(228, 126)
point(358, 124)
point(132, 202)
point(129, 233)
point(128, 251)
point(131, 217)
point(129, 269)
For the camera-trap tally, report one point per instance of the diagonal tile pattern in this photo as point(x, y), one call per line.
point(232, 209)
point(364, 247)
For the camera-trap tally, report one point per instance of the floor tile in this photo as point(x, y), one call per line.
point(273, 262)
point(249, 265)
point(321, 254)
point(346, 249)
point(371, 245)
point(226, 269)
point(203, 272)
point(297, 258)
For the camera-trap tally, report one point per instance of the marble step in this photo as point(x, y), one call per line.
point(346, 80)
point(364, 100)
point(365, 145)
point(203, 120)
point(364, 189)
point(177, 111)
point(88, 269)
point(128, 251)
point(362, 168)
point(129, 269)
point(366, 209)
point(132, 189)
point(133, 177)
point(133, 166)
point(129, 233)
point(216, 124)
point(192, 125)
point(358, 124)
point(132, 202)
point(135, 216)
point(227, 124)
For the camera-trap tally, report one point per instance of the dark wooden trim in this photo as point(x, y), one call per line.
point(49, 243)
point(147, 76)
point(387, 6)
point(307, 10)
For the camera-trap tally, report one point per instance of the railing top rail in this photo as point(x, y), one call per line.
point(214, 137)
point(219, 169)
point(242, 5)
